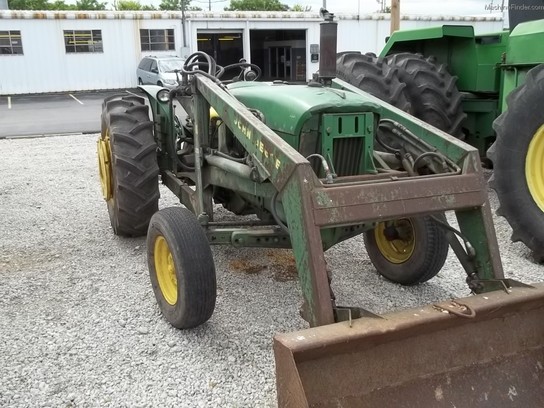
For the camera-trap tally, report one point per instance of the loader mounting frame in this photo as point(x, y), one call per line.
point(320, 214)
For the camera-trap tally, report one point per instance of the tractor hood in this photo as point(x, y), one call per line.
point(288, 113)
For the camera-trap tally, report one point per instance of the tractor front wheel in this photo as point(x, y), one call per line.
point(518, 162)
point(127, 161)
point(181, 268)
point(408, 250)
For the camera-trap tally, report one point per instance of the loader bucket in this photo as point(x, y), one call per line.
point(485, 351)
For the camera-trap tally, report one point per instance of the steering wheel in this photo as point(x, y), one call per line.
point(248, 71)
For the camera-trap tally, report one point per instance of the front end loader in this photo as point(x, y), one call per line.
point(315, 165)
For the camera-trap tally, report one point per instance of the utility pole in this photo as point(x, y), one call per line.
point(183, 22)
point(395, 15)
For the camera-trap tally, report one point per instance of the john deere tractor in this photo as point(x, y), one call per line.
point(487, 90)
point(314, 165)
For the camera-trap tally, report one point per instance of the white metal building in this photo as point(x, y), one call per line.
point(70, 51)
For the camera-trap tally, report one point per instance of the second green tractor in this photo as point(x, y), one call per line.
point(487, 90)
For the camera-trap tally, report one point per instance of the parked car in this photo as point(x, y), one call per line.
point(159, 70)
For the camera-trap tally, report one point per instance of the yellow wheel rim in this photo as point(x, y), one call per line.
point(166, 271)
point(104, 166)
point(534, 167)
point(399, 250)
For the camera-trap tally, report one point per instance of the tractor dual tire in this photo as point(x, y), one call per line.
point(432, 92)
point(181, 268)
point(128, 164)
point(517, 156)
point(415, 256)
point(373, 75)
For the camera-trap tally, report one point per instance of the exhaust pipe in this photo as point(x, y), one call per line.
point(328, 39)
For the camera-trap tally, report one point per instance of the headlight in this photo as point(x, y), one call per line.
point(163, 95)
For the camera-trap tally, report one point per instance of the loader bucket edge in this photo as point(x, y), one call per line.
point(423, 357)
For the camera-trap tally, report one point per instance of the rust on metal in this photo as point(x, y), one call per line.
point(305, 238)
point(425, 357)
point(407, 197)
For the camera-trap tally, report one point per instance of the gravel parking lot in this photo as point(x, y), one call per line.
point(79, 326)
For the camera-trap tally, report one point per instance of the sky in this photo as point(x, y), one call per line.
point(414, 7)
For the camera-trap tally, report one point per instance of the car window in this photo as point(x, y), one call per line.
point(170, 65)
point(145, 64)
point(153, 65)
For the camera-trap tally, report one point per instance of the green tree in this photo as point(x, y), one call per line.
point(61, 5)
point(148, 7)
point(90, 5)
point(124, 5)
point(300, 7)
point(178, 5)
point(384, 8)
point(28, 4)
point(256, 5)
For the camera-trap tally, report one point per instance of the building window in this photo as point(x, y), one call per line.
point(157, 40)
point(83, 40)
point(11, 43)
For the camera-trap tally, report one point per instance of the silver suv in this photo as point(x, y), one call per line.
point(159, 70)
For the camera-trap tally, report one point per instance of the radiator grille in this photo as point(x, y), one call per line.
point(347, 152)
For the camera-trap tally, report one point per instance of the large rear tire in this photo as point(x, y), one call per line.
point(181, 268)
point(518, 162)
point(407, 251)
point(374, 76)
point(127, 158)
point(432, 92)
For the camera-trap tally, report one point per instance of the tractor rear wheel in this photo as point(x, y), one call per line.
point(127, 159)
point(407, 251)
point(181, 267)
point(518, 162)
point(432, 92)
point(374, 76)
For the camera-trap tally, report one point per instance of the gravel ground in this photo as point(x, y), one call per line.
point(79, 326)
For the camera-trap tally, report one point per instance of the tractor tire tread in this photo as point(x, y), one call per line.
point(373, 75)
point(432, 92)
point(134, 165)
point(515, 128)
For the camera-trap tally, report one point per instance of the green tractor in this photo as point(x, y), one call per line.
point(313, 165)
point(487, 90)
